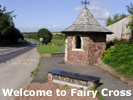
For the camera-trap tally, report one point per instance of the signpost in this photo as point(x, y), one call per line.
point(41, 39)
point(20, 40)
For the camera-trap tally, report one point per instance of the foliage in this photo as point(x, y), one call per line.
point(31, 35)
point(56, 33)
point(120, 41)
point(34, 72)
point(5, 21)
point(81, 88)
point(130, 8)
point(120, 57)
point(130, 24)
point(58, 40)
point(115, 19)
point(109, 21)
point(8, 32)
point(117, 41)
point(65, 85)
point(45, 34)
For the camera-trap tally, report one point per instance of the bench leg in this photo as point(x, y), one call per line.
point(50, 77)
point(91, 85)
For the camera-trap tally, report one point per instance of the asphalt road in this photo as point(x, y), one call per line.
point(15, 74)
point(6, 55)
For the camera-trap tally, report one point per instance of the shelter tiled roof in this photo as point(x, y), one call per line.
point(86, 23)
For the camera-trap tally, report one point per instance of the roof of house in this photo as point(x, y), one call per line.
point(86, 23)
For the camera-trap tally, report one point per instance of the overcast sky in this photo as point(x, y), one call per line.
point(56, 15)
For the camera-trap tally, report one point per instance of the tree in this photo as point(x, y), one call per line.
point(6, 21)
point(15, 35)
point(35, 36)
point(130, 8)
point(45, 34)
point(130, 24)
point(115, 19)
point(109, 21)
point(123, 16)
point(8, 32)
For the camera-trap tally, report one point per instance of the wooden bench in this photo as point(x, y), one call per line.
point(74, 78)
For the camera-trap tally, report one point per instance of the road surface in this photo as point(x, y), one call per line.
point(6, 55)
point(15, 73)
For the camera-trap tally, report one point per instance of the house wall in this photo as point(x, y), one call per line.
point(119, 29)
point(93, 46)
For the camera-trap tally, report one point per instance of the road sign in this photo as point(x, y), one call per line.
point(41, 39)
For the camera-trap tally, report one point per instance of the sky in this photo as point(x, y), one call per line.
point(56, 15)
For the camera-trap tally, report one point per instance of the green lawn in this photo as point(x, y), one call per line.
point(48, 49)
point(63, 46)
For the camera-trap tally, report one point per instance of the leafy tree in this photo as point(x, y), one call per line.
point(130, 8)
point(16, 34)
point(130, 24)
point(109, 21)
point(30, 35)
point(8, 32)
point(115, 19)
point(6, 21)
point(36, 36)
point(123, 16)
point(45, 34)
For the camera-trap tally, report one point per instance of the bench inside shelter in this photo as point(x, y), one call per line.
point(74, 78)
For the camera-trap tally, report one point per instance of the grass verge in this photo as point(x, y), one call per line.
point(121, 58)
point(34, 72)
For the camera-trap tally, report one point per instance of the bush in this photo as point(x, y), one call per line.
point(117, 41)
point(120, 41)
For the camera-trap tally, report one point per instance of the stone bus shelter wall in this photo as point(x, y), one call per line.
point(93, 46)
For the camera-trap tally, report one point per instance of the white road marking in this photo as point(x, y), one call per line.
point(16, 49)
point(23, 62)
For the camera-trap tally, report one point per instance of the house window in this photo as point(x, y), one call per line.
point(78, 42)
